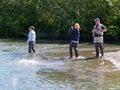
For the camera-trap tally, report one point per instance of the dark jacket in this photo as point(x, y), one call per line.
point(75, 34)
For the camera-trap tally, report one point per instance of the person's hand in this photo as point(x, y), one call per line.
point(71, 27)
point(103, 30)
point(94, 30)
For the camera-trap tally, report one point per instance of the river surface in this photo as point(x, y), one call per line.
point(50, 69)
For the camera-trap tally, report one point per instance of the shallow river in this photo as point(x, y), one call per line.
point(50, 69)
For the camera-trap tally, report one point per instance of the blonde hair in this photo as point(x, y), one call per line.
point(77, 25)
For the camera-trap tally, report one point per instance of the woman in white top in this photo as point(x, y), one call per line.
point(31, 39)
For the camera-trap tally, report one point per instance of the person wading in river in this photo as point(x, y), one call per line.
point(31, 39)
point(75, 34)
point(98, 41)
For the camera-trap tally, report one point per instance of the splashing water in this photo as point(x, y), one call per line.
point(27, 62)
point(114, 58)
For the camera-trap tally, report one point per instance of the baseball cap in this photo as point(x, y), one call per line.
point(97, 19)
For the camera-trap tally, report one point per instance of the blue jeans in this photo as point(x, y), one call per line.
point(31, 46)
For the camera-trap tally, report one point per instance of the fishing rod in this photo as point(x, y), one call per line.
point(24, 34)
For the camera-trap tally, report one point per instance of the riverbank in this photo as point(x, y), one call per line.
point(51, 41)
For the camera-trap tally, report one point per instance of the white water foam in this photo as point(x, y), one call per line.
point(42, 63)
point(67, 58)
point(114, 57)
point(82, 58)
point(28, 62)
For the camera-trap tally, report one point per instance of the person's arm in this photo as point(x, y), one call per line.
point(34, 35)
point(70, 30)
point(29, 37)
point(104, 29)
point(94, 30)
point(78, 34)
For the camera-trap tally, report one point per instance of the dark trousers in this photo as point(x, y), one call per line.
point(99, 48)
point(31, 46)
point(71, 47)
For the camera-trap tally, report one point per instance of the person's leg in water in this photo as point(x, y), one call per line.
point(33, 44)
point(75, 49)
point(30, 47)
point(101, 46)
point(70, 49)
point(97, 49)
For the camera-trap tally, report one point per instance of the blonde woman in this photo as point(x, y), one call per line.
point(75, 34)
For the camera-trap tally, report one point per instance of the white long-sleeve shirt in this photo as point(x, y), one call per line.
point(31, 36)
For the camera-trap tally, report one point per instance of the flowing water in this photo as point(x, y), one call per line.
point(50, 69)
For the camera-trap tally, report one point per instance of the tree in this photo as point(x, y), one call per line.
point(53, 18)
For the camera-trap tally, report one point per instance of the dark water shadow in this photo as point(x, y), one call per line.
point(80, 59)
point(60, 58)
point(6, 50)
point(91, 58)
point(86, 59)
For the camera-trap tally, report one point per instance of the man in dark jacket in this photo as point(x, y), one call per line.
point(75, 34)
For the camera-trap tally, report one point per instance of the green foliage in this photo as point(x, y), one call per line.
point(53, 18)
